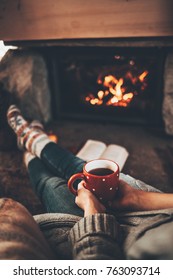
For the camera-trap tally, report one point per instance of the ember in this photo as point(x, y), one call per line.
point(118, 91)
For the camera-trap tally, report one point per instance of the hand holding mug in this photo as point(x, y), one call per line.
point(101, 177)
point(87, 201)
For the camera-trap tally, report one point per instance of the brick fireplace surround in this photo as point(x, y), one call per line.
point(31, 25)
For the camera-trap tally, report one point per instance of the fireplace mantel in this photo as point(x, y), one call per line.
point(23, 20)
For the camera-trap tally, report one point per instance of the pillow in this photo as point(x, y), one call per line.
point(20, 236)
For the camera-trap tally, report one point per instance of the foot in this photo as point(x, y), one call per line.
point(26, 133)
point(16, 120)
point(36, 127)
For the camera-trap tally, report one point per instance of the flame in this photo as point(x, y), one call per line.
point(115, 90)
point(143, 75)
point(100, 94)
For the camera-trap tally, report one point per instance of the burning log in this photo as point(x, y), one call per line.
point(117, 91)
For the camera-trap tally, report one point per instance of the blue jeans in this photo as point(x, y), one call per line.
point(49, 176)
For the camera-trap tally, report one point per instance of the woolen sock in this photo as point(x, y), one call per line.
point(16, 120)
point(30, 137)
point(27, 157)
point(36, 142)
point(36, 125)
point(37, 139)
point(18, 123)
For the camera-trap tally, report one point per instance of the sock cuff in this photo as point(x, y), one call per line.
point(27, 158)
point(39, 143)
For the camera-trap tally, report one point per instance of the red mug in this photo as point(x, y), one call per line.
point(101, 177)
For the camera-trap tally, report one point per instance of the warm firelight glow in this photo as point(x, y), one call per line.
point(116, 91)
point(53, 137)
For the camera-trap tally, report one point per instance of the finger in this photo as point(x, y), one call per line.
point(81, 185)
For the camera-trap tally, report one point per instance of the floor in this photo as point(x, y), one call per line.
point(150, 156)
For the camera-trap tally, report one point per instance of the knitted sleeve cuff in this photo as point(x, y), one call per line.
point(95, 224)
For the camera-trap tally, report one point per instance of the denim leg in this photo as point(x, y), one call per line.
point(60, 161)
point(52, 190)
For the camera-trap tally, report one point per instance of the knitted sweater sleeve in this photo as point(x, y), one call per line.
point(95, 237)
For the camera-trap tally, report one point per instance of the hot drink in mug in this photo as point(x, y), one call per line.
point(101, 177)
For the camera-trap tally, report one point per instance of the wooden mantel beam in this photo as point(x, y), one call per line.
point(77, 19)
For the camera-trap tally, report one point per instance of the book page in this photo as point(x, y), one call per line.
point(92, 149)
point(116, 153)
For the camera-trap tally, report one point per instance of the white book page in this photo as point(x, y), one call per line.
point(116, 153)
point(92, 149)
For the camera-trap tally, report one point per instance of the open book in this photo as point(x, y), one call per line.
point(93, 149)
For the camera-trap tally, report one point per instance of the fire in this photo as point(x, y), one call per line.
point(143, 75)
point(117, 91)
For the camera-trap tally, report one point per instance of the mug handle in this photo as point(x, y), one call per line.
point(71, 181)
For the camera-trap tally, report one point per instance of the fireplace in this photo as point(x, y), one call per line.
point(98, 82)
point(108, 83)
point(106, 58)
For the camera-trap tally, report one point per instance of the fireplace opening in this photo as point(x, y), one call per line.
point(108, 83)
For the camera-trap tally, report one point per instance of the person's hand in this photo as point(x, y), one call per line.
point(87, 201)
point(126, 198)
